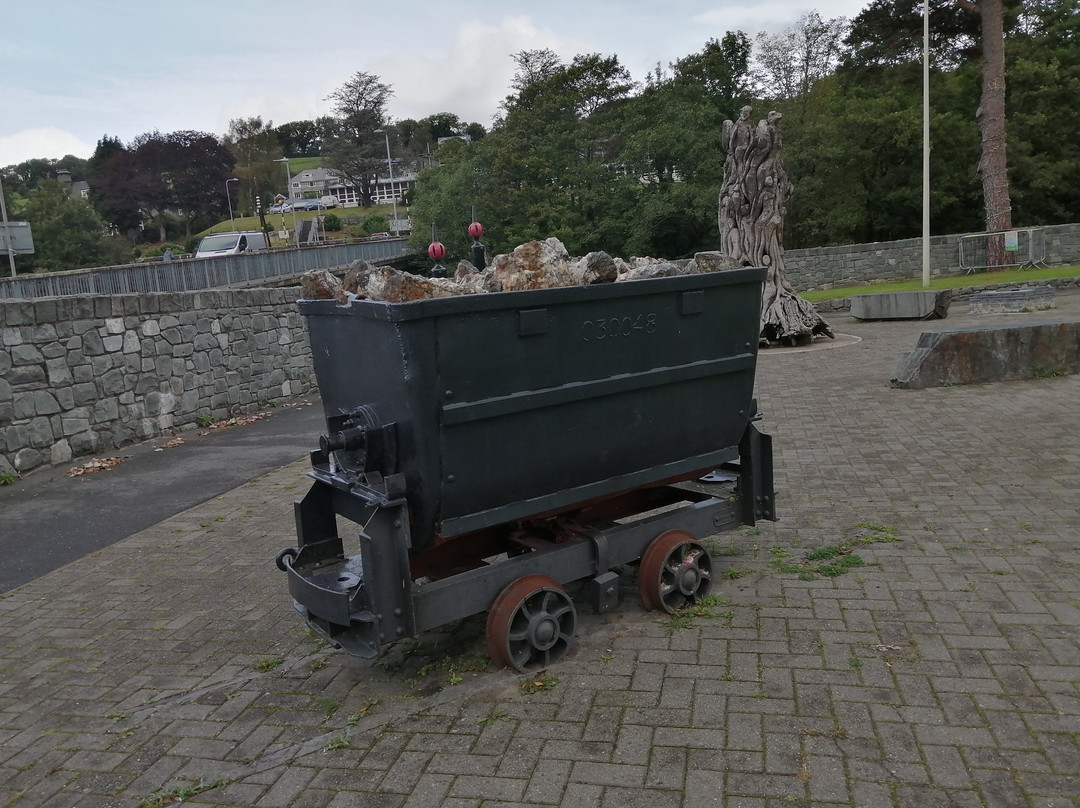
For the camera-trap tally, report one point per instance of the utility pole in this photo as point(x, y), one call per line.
point(7, 232)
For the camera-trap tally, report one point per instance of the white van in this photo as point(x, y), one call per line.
point(249, 241)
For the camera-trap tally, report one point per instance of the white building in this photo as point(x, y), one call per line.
point(318, 182)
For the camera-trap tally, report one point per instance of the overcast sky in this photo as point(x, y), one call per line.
point(72, 71)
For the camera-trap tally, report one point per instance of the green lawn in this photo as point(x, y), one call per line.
point(274, 219)
point(952, 282)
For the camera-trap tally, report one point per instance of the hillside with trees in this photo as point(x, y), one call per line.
point(581, 151)
point(577, 155)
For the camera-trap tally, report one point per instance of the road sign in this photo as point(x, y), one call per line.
point(17, 236)
point(321, 217)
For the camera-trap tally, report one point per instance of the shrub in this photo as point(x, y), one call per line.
point(159, 250)
point(332, 223)
point(376, 223)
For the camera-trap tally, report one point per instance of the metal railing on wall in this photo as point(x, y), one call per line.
point(195, 274)
point(1024, 248)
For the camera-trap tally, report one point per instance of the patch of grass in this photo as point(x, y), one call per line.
point(493, 716)
point(841, 565)
point(831, 560)
point(953, 282)
point(267, 664)
point(1042, 372)
point(339, 741)
point(180, 792)
point(454, 666)
point(204, 420)
point(539, 683)
point(116, 716)
point(8, 477)
point(329, 706)
point(365, 708)
point(703, 607)
point(875, 533)
point(679, 621)
point(780, 563)
point(855, 662)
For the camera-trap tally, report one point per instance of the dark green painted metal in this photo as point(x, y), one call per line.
point(508, 405)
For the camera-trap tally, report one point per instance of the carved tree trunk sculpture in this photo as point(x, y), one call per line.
point(752, 206)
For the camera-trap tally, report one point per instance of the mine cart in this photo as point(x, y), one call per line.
point(493, 448)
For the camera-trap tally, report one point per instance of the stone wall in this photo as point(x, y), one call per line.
point(85, 375)
point(852, 264)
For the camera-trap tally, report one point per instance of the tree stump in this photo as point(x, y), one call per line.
point(753, 202)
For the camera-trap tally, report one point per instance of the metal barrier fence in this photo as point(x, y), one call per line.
point(195, 274)
point(1024, 248)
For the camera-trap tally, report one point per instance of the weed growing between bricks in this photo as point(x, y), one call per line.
point(180, 792)
point(829, 561)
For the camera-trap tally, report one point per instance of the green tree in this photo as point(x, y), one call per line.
point(255, 146)
point(789, 62)
point(305, 138)
point(68, 233)
point(356, 152)
point(160, 173)
point(198, 166)
point(134, 184)
point(121, 216)
point(670, 136)
point(1044, 83)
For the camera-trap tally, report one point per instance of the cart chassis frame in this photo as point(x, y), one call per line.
point(362, 602)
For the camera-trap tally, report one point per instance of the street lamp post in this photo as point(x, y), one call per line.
point(390, 169)
point(288, 189)
point(229, 198)
point(7, 232)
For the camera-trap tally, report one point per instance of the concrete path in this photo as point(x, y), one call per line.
point(49, 519)
point(944, 671)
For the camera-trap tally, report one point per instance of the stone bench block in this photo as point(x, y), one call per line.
point(1003, 301)
point(991, 353)
point(922, 305)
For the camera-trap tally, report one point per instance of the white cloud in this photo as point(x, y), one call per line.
point(772, 16)
point(472, 76)
point(48, 142)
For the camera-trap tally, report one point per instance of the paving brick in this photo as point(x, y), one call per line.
point(978, 707)
point(608, 774)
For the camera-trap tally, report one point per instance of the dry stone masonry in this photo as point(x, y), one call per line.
point(80, 376)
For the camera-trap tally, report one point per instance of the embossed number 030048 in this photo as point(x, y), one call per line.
point(612, 327)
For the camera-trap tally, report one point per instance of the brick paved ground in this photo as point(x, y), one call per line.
point(945, 672)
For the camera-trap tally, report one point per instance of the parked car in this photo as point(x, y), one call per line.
point(235, 243)
point(312, 204)
point(280, 207)
point(329, 201)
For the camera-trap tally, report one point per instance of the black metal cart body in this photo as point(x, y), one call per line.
point(494, 447)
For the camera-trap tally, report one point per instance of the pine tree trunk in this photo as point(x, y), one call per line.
point(993, 165)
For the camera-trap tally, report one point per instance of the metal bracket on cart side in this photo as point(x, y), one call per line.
point(602, 592)
point(361, 601)
point(756, 476)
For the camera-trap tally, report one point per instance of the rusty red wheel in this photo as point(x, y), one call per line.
point(675, 571)
point(530, 624)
